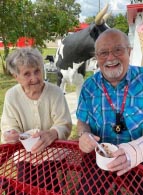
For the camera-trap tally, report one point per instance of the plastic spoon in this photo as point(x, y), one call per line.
point(99, 145)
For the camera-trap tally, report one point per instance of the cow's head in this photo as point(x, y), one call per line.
point(79, 46)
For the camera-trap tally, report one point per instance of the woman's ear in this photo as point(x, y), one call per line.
point(15, 76)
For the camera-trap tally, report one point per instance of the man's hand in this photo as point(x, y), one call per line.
point(121, 164)
point(86, 144)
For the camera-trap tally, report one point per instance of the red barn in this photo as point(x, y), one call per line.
point(22, 42)
point(81, 26)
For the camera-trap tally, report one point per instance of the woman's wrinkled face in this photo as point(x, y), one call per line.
point(30, 78)
point(112, 54)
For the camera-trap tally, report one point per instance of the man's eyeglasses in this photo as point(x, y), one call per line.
point(117, 51)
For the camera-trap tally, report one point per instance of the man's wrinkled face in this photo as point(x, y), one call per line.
point(112, 54)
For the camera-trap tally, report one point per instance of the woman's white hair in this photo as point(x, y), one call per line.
point(26, 56)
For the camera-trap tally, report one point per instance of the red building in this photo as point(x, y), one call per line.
point(132, 11)
point(81, 26)
point(22, 42)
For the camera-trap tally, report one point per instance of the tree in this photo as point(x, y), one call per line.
point(121, 23)
point(42, 20)
point(111, 21)
point(90, 19)
point(56, 17)
point(11, 21)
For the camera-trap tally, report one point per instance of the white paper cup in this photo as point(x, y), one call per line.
point(102, 161)
point(27, 140)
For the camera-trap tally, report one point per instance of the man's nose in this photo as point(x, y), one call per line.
point(111, 55)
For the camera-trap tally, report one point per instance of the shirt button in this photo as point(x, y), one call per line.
point(35, 102)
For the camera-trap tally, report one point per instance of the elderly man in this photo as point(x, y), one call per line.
point(110, 105)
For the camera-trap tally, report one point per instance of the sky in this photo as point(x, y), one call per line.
point(92, 7)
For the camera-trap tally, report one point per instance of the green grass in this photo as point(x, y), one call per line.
point(74, 134)
point(7, 81)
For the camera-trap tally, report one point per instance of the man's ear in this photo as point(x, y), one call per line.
point(130, 49)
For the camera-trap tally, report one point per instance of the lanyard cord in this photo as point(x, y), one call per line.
point(110, 101)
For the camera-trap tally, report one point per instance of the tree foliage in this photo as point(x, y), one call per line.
point(121, 23)
point(111, 21)
point(42, 20)
point(90, 19)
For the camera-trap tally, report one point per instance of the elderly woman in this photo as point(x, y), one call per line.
point(33, 103)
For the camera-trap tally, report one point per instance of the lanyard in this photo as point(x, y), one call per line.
point(110, 101)
point(120, 123)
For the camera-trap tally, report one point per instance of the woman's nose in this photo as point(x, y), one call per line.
point(33, 77)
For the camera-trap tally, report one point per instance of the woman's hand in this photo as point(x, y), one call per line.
point(46, 138)
point(121, 164)
point(86, 144)
point(11, 136)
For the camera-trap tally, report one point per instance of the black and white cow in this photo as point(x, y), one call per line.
point(79, 46)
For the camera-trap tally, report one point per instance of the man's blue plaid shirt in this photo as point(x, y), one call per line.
point(95, 110)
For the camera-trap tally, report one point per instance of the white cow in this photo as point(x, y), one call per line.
point(72, 76)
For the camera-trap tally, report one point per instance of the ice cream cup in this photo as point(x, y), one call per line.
point(101, 160)
point(27, 140)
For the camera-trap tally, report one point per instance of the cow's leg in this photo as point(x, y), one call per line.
point(63, 85)
point(65, 88)
point(82, 69)
point(59, 78)
point(78, 82)
point(78, 90)
point(45, 74)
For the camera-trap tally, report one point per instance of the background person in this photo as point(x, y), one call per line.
point(110, 104)
point(33, 104)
